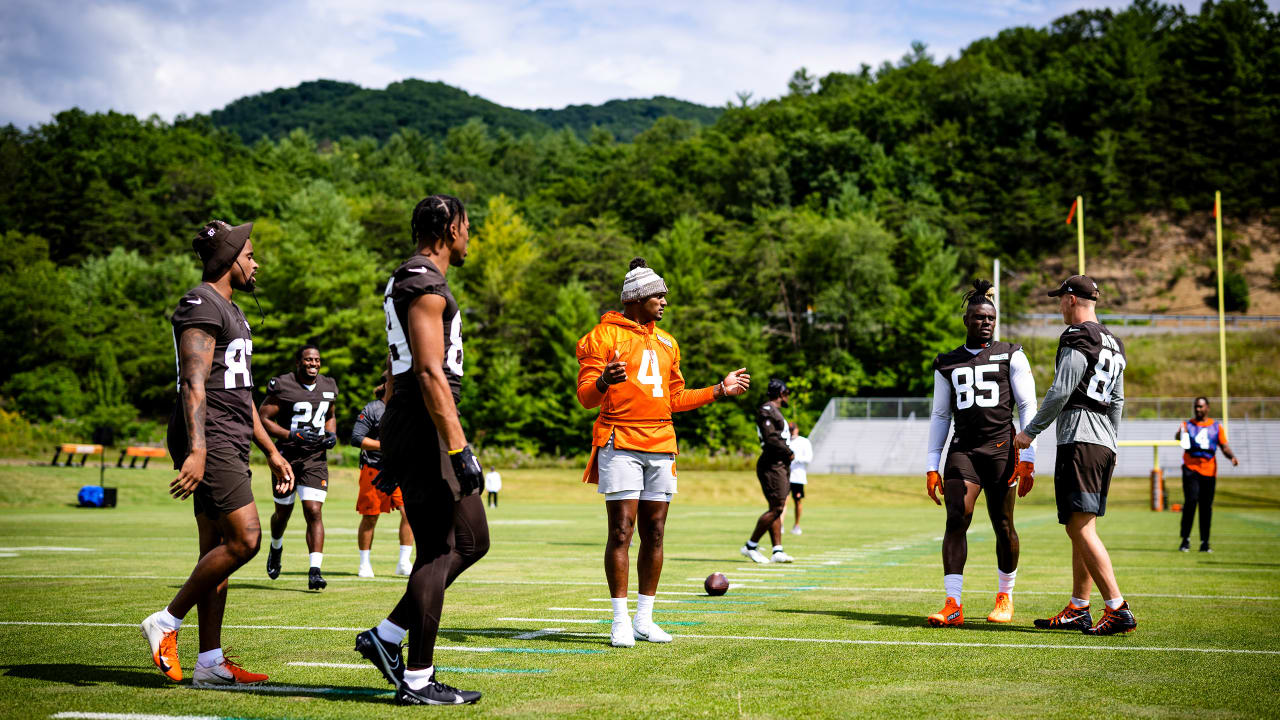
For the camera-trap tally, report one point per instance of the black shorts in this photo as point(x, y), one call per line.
point(415, 456)
point(797, 490)
point(1081, 479)
point(227, 483)
point(310, 473)
point(989, 465)
point(775, 479)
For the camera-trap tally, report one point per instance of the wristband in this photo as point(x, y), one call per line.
point(455, 452)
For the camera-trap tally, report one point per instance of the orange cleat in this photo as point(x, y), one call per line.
point(1003, 611)
point(164, 648)
point(951, 615)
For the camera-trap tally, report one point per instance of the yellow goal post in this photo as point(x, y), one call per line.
point(1159, 500)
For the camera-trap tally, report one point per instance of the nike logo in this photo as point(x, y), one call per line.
point(953, 615)
point(1001, 444)
point(163, 665)
point(417, 270)
point(195, 301)
point(1073, 329)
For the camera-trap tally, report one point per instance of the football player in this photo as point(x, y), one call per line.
point(802, 449)
point(425, 453)
point(773, 470)
point(977, 385)
point(1087, 400)
point(630, 369)
point(370, 501)
point(209, 433)
point(1201, 437)
point(308, 399)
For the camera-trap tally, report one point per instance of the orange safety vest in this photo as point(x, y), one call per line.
point(637, 412)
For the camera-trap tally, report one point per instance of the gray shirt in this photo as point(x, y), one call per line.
point(1077, 424)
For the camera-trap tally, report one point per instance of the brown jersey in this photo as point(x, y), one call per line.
point(229, 387)
point(772, 430)
point(1105, 363)
point(981, 397)
point(302, 406)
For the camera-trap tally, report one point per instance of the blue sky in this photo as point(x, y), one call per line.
point(187, 56)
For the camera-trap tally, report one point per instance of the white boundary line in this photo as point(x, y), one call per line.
point(71, 715)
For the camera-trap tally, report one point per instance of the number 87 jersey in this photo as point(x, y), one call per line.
point(981, 395)
point(1105, 363)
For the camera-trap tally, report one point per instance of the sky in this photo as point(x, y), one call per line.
point(189, 56)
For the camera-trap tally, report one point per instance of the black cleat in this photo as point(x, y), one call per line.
point(1204, 547)
point(1185, 546)
point(435, 693)
point(1071, 618)
point(315, 581)
point(1120, 620)
point(387, 657)
point(273, 562)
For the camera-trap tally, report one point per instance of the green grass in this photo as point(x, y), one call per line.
point(833, 640)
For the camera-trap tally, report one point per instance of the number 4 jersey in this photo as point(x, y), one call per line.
point(229, 387)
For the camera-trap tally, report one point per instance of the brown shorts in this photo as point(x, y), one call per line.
point(226, 485)
point(1081, 479)
point(989, 465)
point(775, 480)
point(312, 473)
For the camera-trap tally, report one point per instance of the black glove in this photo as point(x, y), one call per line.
point(306, 437)
point(385, 483)
point(330, 439)
point(467, 469)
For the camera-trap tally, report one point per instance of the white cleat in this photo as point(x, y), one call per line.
point(781, 557)
point(796, 530)
point(365, 571)
point(755, 555)
point(621, 635)
point(651, 633)
point(404, 569)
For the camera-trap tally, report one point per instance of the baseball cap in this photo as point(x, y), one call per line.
point(1082, 286)
point(219, 244)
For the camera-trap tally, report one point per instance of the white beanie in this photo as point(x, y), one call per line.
point(641, 282)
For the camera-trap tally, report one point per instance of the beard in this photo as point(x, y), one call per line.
point(245, 285)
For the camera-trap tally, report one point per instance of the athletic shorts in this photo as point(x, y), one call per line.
point(775, 479)
point(310, 482)
point(989, 465)
point(797, 490)
point(1081, 479)
point(226, 485)
point(372, 501)
point(634, 471)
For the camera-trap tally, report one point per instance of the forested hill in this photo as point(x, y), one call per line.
point(824, 236)
point(331, 110)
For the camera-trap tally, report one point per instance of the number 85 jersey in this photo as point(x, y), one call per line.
point(419, 276)
point(981, 396)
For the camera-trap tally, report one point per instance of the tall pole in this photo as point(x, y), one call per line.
point(1222, 321)
point(1080, 230)
point(995, 283)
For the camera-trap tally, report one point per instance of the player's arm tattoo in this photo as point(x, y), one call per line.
point(195, 353)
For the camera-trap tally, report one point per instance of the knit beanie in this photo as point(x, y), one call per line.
point(641, 282)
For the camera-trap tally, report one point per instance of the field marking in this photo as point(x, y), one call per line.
point(716, 600)
point(1174, 596)
point(534, 635)
point(585, 621)
point(661, 610)
point(72, 715)
point(479, 671)
point(46, 548)
point(294, 689)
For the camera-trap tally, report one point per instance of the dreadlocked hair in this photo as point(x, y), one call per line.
point(637, 262)
point(433, 216)
point(983, 293)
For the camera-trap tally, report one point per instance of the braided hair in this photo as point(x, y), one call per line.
point(983, 293)
point(432, 218)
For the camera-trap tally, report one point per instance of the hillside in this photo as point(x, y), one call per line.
point(329, 110)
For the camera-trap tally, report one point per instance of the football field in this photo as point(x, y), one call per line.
point(840, 633)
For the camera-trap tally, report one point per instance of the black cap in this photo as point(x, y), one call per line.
point(218, 245)
point(1082, 286)
point(777, 388)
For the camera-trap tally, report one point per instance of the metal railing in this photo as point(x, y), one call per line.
point(1153, 319)
point(1169, 408)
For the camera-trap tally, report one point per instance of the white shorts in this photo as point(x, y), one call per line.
point(641, 475)
point(303, 492)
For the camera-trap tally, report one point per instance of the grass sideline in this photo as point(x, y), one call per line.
point(838, 635)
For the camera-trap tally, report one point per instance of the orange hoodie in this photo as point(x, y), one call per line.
point(637, 412)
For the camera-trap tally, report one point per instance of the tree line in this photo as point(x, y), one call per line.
point(822, 237)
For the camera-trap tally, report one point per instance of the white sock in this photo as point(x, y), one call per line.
point(209, 658)
point(1079, 602)
point(953, 584)
point(777, 548)
point(317, 559)
point(167, 621)
point(364, 557)
point(390, 632)
point(277, 543)
point(405, 552)
point(1115, 603)
point(620, 609)
point(644, 609)
point(418, 679)
point(752, 544)
point(1004, 581)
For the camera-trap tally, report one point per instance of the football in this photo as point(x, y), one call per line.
point(716, 584)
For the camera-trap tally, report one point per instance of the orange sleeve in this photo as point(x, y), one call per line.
point(1222, 434)
point(681, 399)
point(591, 364)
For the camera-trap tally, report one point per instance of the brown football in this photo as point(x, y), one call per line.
point(716, 584)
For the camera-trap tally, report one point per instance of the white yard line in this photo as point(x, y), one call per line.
point(538, 633)
point(71, 715)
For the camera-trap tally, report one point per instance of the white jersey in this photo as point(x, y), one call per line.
point(492, 481)
point(803, 450)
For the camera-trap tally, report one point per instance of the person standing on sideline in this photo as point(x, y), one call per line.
point(370, 501)
point(212, 424)
point(630, 369)
point(773, 470)
point(803, 452)
point(1087, 400)
point(1201, 438)
point(493, 486)
point(425, 452)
